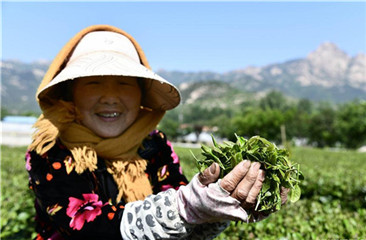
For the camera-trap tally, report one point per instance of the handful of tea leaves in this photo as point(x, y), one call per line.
point(280, 171)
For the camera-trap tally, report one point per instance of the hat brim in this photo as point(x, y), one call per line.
point(158, 93)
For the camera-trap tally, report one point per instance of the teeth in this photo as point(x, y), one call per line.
point(109, 115)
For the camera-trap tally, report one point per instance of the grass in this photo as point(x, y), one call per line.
point(332, 205)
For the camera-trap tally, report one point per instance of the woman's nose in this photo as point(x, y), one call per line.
point(109, 96)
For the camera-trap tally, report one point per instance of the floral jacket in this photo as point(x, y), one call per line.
point(82, 206)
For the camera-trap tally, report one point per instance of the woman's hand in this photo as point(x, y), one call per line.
point(243, 183)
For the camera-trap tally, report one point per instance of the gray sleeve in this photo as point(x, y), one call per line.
point(157, 217)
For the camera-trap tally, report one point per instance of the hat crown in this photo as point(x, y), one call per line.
point(105, 41)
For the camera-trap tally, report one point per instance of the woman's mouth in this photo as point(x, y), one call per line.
point(109, 115)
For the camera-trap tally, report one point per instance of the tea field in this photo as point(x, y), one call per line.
point(332, 205)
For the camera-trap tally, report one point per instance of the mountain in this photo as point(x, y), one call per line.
point(19, 83)
point(327, 73)
point(213, 94)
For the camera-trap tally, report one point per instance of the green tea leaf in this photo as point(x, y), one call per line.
point(295, 193)
point(279, 169)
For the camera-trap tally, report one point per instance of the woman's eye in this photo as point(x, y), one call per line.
point(92, 83)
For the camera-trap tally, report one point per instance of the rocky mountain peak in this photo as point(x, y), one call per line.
point(357, 72)
point(328, 61)
point(360, 58)
point(327, 50)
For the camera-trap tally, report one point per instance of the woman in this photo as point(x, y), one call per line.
point(98, 167)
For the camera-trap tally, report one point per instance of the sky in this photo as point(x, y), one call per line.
point(189, 36)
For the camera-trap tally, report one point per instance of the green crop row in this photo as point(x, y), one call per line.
point(332, 205)
point(17, 204)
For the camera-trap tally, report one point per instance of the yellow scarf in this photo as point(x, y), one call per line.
point(119, 153)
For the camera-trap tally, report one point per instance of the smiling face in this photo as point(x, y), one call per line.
point(108, 104)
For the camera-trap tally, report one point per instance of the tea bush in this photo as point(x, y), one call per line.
point(17, 205)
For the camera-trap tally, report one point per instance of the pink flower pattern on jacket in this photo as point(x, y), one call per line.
point(173, 155)
point(27, 163)
point(81, 210)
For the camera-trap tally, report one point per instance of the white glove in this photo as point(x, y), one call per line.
point(198, 203)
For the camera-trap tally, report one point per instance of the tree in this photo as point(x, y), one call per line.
point(4, 113)
point(265, 123)
point(321, 127)
point(225, 127)
point(274, 100)
point(351, 124)
point(298, 119)
point(170, 127)
point(305, 106)
point(170, 124)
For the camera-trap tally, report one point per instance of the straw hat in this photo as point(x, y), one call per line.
point(103, 50)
